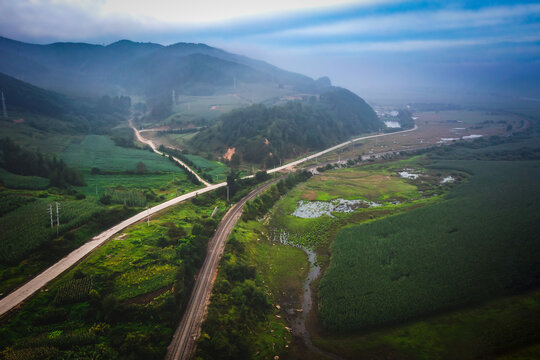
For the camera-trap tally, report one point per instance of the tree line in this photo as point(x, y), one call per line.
point(28, 163)
point(268, 135)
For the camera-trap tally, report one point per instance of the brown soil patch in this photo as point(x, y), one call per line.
point(230, 152)
point(309, 195)
point(146, 298)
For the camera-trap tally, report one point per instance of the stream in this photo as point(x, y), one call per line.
point(298, 321)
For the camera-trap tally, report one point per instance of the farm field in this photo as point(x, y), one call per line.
point(124, 299)
point(432, 127)
point(377, 183)
point(485, 239)
point(52, 140)
point(216, 169)
point(29, 244)
point(390, 300)
point(496, 329)
point(101, 152)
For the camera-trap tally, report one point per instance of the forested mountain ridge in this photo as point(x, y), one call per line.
point(127, 67)
point(79, 115)
point(266, 135)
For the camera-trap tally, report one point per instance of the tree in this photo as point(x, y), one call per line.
point(235, 161)
point(141, 168)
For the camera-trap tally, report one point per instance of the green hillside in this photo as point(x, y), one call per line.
point(266, 135)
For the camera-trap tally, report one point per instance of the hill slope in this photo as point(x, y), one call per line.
point(264, 135)
point(45, 109)
point(127, 67)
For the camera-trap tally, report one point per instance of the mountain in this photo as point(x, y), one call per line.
point(70, 114)
point(266, 135)
point(132, 68)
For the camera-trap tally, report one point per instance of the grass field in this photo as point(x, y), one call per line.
point(216, 169)
point(166, 184)
point(479, 243)
point(125, 297)
point(241, 331)
point(14, 181)
point(28, 227)
point(432, 126)
point(379, 182)
point(101, 152)
point(51, 141)
point(495, 327)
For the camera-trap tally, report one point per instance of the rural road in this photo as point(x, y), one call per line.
point(22, 293)
point(187, 333)
point(154, 148)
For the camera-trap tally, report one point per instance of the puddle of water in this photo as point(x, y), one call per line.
point(392, 124)
point(315, 209)
point(448, 179)
point(472, 136)
point(408, 175)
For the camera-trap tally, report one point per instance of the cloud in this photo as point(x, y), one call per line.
point(415, 45)
point(418, 21)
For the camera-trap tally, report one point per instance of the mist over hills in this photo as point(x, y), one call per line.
point(132, 68)
point(71, 114)
point(267, 135)
point(318, 116)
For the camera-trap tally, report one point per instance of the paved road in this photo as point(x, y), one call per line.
point(154, 148)
point(25, 291)
point(187, 333)
point(19, 295)
point(339, 146)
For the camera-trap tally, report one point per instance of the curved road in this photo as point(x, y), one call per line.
point(154, 148)
point(22, 293)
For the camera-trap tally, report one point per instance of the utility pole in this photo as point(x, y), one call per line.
point(4, 110)
point(227, 192)
point(50, 213)
point(57, 217)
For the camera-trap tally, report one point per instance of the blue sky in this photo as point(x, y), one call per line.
point(372, 47)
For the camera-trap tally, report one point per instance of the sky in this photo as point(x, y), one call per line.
point(375, 48)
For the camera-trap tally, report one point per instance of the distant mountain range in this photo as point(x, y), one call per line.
point(132, 68)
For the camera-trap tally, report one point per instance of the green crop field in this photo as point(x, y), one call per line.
point(480, 243)
point(50, 141)
point(493, 327)
point(101, 152)
point(14, 181)
point(167, 184)
point(28, 227)
point(213, 168)
point(125, 297)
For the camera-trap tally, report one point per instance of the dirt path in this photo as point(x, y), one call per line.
point(150, 143)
